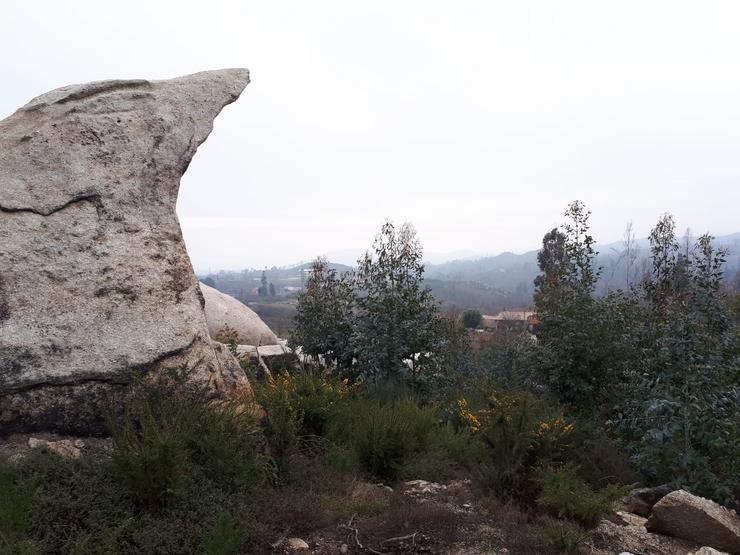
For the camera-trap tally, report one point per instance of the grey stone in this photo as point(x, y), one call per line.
point(95, 283)
point(296, 543)
point(683, 515)
point(64, 447)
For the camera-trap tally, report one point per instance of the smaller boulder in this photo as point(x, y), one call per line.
point(64, 448)
point(296, 543)
point(683, 515)
point(630, 519)
point(640, 501)
point(226, 315)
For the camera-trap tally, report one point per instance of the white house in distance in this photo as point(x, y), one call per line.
point(524, 319)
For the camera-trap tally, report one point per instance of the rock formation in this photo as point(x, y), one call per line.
point(95, 281)
point(225, 312)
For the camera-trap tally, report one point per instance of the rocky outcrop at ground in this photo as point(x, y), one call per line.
point(683, 515)
point(65, 448)
point(633, 539)
point(95, 283)
point(229, 319)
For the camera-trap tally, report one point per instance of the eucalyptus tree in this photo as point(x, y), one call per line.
point(398, 329)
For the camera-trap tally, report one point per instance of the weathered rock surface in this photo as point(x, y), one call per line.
point(95, 281)
point(225, 312)
point(683, 515)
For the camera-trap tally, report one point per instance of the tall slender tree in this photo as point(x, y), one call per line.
point(398, 326)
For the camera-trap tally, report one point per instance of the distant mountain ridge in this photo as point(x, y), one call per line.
point(490, 283)
point(513, 274)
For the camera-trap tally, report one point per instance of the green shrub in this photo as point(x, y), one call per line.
point(383, 434)
point(601, 459)
point(79, 505)
point(519, 431)
point(223, 443)
point(570, 496)
point(565, 537)
point(168, 435)
point(16, 497)
point(317, 399)
point(448, 452)
point(297, 405)
point(225, 537)
point(150, 453)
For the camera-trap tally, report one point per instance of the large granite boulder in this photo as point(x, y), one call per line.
point(683, 515)
point(95, 283)
point(229, 318)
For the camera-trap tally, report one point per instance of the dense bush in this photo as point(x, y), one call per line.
point(179, 472)
point(565, 537)
point(519, 431)
point(565, 492)
point(168, 436)
point(384, 434)
point(225, 537)
point(16, 496)
point(296, 406)
point(657, 364)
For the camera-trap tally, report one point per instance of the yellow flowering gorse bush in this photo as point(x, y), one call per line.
point(520, 431)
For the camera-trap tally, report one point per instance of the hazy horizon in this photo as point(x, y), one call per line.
point(478, 121)
point(349, 257)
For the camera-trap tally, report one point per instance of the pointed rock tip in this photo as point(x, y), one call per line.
point(239, 76)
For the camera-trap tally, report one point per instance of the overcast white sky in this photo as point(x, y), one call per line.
point(476, 121)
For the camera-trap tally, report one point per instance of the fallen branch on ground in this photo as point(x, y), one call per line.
point(411, 537)
point(356, 531)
